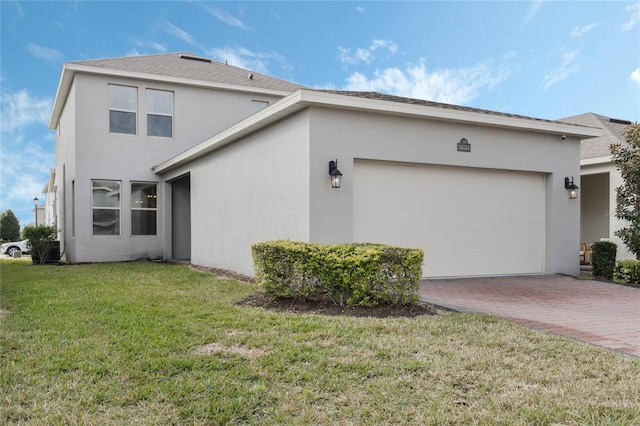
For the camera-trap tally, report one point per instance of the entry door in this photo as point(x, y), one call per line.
point(469, 221)
point(181, 218)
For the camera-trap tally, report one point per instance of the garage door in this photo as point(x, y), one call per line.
point(469, 221)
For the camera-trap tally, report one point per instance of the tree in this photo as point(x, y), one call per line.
point(9, 226)
point(42, 239)
point(627, 159)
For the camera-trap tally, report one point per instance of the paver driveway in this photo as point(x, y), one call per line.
point(595, 312)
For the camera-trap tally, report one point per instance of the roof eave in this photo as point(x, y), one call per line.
point(445, 114)
point(70, 69)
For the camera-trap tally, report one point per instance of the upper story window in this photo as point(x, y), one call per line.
point(144, 201)
point(105, 206)
point(123, 106)
point(159, 113)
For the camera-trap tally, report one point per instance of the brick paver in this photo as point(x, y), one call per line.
point(591, 311)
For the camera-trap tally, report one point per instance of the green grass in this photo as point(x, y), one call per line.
point(127, 344)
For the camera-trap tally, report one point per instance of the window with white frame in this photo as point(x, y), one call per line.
point(144, 200)
point(105, 206)
point(159, 113)
point(123, 107)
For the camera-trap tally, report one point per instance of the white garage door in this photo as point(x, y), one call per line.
point(470, 222)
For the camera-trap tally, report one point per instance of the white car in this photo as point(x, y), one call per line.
point(9, 248)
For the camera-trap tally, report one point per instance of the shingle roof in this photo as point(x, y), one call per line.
point(611, 134)
point(393, 98)
point(197, 68)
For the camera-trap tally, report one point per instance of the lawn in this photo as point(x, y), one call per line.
point(147, 343)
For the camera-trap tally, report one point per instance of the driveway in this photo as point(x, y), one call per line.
point(591, 311)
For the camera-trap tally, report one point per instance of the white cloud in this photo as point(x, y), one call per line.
point(27, 152)
point(634, 18)
point(226, 18)
point(360, 9)
point(178, 33)
point(365, 55)
point(567, 68)
point(245, 58)
point(456, 86)
point(635, 76)
point(532, 12)
point(50, 55)
point(579, 31)
point(21, 109)
point(150, 45)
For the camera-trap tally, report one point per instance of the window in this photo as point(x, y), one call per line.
point(144, 199)
point(159, 113)
point(106, 207)
point(123, 105)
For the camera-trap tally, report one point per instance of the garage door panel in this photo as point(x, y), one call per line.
point(469, 221)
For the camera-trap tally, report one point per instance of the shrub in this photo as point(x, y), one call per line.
point(627, 271)
point(603, 259)
point(355, 274)
point(42, 239)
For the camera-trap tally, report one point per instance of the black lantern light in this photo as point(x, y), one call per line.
point(334, 174)
point(571, 187)
point(35, 203)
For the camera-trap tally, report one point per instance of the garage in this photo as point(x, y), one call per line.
point(469, 221)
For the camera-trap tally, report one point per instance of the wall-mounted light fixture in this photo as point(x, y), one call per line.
point(571, 187)
point(35, 203)
point(334, 174)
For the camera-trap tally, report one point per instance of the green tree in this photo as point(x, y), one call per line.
point(9, 226)
point(42, 239)
point(627, 158)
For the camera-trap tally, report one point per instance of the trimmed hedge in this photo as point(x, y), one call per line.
point(627, 271)
point(603, 258)
point(352, 274)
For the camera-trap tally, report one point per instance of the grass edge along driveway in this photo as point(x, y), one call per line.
point(146, 343)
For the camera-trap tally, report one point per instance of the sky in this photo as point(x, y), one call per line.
point(544, 59)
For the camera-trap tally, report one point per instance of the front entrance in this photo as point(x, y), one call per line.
point(181, 218)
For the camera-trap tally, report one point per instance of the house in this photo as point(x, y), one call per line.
point(175, 156)
point(599, 179)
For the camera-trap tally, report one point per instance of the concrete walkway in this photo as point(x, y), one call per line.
point(591, 311)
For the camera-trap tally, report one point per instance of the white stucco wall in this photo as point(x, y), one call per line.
point(254, 190)
point(88, 151)
point(274, 183)
point(355, 135)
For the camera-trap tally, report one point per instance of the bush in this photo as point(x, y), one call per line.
point(627, 271)
point(355, 274)
point(42, 239)
point(603, 259)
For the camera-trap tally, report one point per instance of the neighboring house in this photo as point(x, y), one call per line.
point(174, 156)
point(599, 180)
point(47, 210)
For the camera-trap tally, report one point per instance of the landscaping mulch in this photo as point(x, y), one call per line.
point(327, 307)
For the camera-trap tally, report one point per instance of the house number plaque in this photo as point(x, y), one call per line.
point(464, 145)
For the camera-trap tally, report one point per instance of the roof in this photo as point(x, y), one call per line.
point(376, 103)
point(611, 133)
point(193, 67)
point(393, 98)
point(175, 68)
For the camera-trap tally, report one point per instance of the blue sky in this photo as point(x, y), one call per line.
point(543, 59)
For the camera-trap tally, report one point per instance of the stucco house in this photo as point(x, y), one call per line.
point(599, 180)
point(175, 156)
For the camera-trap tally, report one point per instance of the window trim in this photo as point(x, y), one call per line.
point(161, 114)
point(134, 111)
point(118, 209)
point(132, 208)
